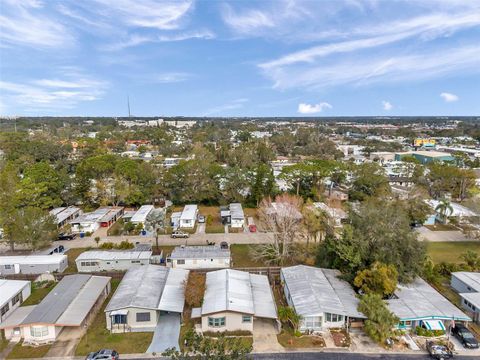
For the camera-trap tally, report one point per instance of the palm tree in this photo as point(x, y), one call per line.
point(287, 314)
point(445, 209)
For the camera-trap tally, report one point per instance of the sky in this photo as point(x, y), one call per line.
point(240, 58)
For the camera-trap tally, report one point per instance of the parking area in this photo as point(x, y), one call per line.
point(461, 350)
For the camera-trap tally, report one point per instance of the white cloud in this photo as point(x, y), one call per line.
point(247, 21)
point(449, 97)
point(171, 77)
point(387, 105)
point(313, 109)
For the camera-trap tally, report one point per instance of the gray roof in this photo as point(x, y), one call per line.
point(238, 291)
point(236, 211)
point(145, 286)
point(73, 289)
point(17, 317)
point(419, 300)
point(107, 255)
point(471, 279)
point(314, 291)
point(199, 252)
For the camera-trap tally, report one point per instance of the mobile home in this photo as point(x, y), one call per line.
point(199, 257)
point(12, 294)
point(111, 260)
point(33, 264)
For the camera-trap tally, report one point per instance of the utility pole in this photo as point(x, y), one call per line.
point(128, 104)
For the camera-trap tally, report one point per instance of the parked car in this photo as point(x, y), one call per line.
point(103, 354)
point(201, 219)
point(179, 234)
point(466, 337)
point(252, 228)
point(439, 352)
point(63, 236)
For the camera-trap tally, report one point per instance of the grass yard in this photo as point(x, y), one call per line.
point(167, 249)
point(242, 258)
point(288, 340)
point(98, 337)
point(441, 227)
point(72, 254)
point(27, 352)
point(3, 343)
point(451, 251)
point(39, 291)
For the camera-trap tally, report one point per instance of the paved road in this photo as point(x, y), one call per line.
point(345, 356)
point(441, 236)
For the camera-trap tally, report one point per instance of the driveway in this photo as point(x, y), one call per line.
point(265, 336)
point(166, 333)
point(200, 228)
point(440, 236)
point(66, 342)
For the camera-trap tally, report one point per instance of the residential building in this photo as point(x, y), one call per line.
point(72, 303)
point(199, 257)
point(111, 260)
point(145, 294)
point(337, 215)
point(33, 264)
point(141, 215)
point(233, 215)
point(188, 218)
point(459, 212)
point(12, 294)
point(419, 304)
point(320, 297)
point(63, 215)
point(234, 300)
point(467, 285)
point(102, 217)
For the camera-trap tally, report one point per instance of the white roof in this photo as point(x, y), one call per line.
point(284, 210)
point(189, 212)
point(61, 214)
point(333, 212)
point(315, 291)
point(142, 213)
point(471, 279)
point(114, 255)
point(238, 291)
point(236, 211)
point(145, 287)
point(91, 217)
point(199, 252)
point(32, 259)
point(10, 288)
point(458, 210)
point(419, 300)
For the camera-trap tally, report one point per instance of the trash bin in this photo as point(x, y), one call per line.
point(144, 232)
point(82, 235)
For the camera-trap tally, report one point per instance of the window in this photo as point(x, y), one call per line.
point(216, 322)
point(246, 319)
point(143, 317)
point(4, 309)
point(39, 331)
point(8, 267)
point(181, 262)
point(119, 319)
point(135, 261)
point(333, 317)
point(313, 322)
point(17, 298)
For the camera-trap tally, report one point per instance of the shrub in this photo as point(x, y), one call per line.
point(209, 220)
point(227, 333)
point(195, 289)
point(420, 331)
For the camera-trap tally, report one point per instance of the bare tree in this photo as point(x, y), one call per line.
point(155, 223)
point(282, 218)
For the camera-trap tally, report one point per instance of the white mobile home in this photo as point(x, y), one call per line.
point(467, 285)
point(199, 257)
point(63, 215)
point(233, 215)
point(145, 295)
point(102, 217)
point(70, 304)
point(111, 260)
point(320, 297)
point(188, 218)
point(33, 264)
point(12, 294)
point(141, 215)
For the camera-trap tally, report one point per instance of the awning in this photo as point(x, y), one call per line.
point(434, 324)
point(119, 312)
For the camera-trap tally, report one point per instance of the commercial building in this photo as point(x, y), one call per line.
point(467, 285)
point(12, 294)
point(145, 294)
point(320, 297)
point(33, 264)
point(234, 300)
point(111, 260)
point(71, 303)
point(425, 157)
point(199, 257)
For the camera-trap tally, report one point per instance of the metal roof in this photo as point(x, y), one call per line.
point(61, 214)
point(33, 259)
point(17, 317)
point(419, 300)
point(199, 252)
point(238, 291)
point(471, 279)
point(457, 209)
point(189, 212)
point(236, 211)
point(142, 213)
point(144, 287)
point(69, 290)
point(333, 212)
point(315, 291)
point(107, 255)
point(10, 288)
point(91, 217)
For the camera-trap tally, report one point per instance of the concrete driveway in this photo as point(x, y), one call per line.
point(166, 333)
point(265, 336)
point(200, 228)
point(440, 236)
point(66, 342)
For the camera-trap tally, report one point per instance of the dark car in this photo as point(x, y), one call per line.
point(465, 336)
point(439, 352)
point(103, 354)
point(63, 236)
point(179, 234)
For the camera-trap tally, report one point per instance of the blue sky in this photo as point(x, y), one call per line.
point(240, 58)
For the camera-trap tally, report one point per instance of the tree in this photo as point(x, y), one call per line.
point(380, 321)
point(283, 219)
point(155, 222)
point(472, 259)
point(287, 314)
point(377, 231)
point(32, 227)
point(369, 181)
point(380, 279)
point(448, 179)
point(417, 210)
point(198, 347)
point(316, 221)
point(262, 184)
point(445, 209)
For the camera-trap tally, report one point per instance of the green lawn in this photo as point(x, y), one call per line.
point(3, 343)
point(39, 291)
point(242, 258)
point(72, 254)
point(98, 337)
point(451, 251)
point(27, 352)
